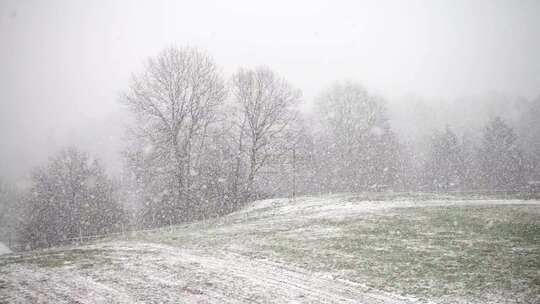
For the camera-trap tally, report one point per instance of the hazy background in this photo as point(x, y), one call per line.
point(64, 63)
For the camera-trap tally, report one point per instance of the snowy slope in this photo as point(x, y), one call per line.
point(235, 259)
point(155, 273)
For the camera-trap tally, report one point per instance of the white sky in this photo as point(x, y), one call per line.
point(63, 63)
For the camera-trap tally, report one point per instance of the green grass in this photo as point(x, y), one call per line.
point(426, 252)
point(84, 258)
point(469, 252)
point(430, 252)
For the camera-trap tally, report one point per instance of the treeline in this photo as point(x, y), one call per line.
point(352, 148)
point(200, 145)
point(496, 162)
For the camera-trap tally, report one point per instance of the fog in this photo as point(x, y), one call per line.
point(65, 63)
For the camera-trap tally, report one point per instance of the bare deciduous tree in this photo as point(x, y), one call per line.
point(354, 139)
point(175, 101)
point(71, 197)
point(348, 113)
point(9, 211)
point(264, 109)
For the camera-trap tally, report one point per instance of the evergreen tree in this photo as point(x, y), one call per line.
point(470, 167)
point(501, 160)
point(445, 164)
point(527, 127)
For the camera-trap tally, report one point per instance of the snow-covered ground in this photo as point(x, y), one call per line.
point(139, 272)
point(273, 251)
point(4, 249)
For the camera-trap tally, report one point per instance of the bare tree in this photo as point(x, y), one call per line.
point(264, 109)
point(354, 139)
point(9, 211)
point(174, 102)
point(71, 197)
point(348, 113)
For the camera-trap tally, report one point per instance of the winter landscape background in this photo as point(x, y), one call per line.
point(372, 152)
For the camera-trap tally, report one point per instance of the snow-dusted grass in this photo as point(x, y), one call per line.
point(332, 249)
point(429, 252)
point(142, 272)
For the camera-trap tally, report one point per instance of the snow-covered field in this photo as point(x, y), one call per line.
point(131, 272)
point(333, 249)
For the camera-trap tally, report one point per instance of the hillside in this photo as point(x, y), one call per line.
point(331, 249)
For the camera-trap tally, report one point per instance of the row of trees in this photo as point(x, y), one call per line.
point(200, 145)
point(354, 149)
point(71, 197)
point(494, 163)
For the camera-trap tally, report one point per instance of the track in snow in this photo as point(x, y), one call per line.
point(129, 272)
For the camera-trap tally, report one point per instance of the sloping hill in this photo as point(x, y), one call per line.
point(333, 249)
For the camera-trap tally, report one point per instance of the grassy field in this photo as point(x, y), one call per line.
point(430, 252)
point(338, 249)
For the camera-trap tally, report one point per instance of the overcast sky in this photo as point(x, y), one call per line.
point(64, 63)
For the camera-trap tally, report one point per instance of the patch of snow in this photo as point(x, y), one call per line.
point(4, 249)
